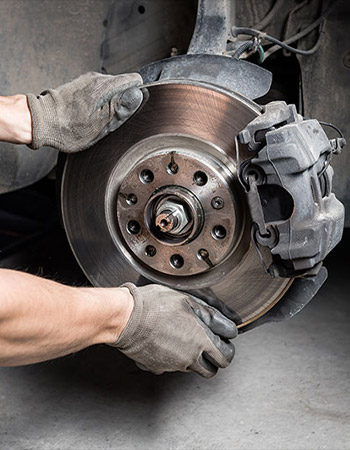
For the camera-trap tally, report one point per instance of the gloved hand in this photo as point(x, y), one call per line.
point(171, 331)
point(76, 115)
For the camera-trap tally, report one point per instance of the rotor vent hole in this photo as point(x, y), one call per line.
point(141, 9)
point(146, 176)
point(200, 178)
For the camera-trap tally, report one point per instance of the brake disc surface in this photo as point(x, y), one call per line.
point(159, 201)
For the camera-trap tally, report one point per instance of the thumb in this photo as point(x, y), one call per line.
point(113, 114)
point(128, 103)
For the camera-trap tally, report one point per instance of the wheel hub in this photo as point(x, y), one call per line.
point(178, 213)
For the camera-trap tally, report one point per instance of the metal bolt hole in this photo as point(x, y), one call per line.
point(150, 250)
point(133, 227)
point(200, 178)
point(219, 232)
point(177, 261)
point(131, 199)
point(146, 176)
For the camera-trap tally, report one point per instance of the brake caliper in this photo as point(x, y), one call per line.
point(288, 181)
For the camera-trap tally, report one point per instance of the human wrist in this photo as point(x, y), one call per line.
point(111, 310)
point(15, 120)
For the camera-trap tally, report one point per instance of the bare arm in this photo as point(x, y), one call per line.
point(41, 319)
point(15, 120)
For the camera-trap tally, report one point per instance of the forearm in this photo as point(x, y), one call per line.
point(15, 120)
point(41, 319)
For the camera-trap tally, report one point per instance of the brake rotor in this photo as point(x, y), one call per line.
point(159, 201)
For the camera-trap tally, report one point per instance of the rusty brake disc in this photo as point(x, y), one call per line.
point(159, 201)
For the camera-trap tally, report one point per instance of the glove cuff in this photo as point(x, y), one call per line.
point(141, 322)
point(44, 121)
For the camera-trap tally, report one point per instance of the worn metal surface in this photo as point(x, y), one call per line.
point(242, 77)
point(207, 119)
point(44, 43)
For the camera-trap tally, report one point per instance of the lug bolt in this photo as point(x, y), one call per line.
point(150, 250)
point(200, 178)
point(218, 232)
point(177, 261)
point(131, 199)
point(133, 227)
point(146, 176)
point(217, 203)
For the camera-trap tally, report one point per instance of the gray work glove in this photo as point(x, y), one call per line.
point(172, 331)
point(76, 115)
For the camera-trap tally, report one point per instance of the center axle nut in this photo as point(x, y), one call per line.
point(173, 216)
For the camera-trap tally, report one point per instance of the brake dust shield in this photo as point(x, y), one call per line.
point(159, 201)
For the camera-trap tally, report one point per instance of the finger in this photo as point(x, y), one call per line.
point(219, 352)
point(110, 86)
point(127, 103)
point(112, 115)
point(211, 300)
point(142, 367)
point(204, 368)
point(214, 319)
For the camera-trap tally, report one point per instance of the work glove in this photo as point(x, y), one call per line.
point(172, 331)
point(76, 115)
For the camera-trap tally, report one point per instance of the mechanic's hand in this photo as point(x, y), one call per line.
point(171, 331)
point(78, 114)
